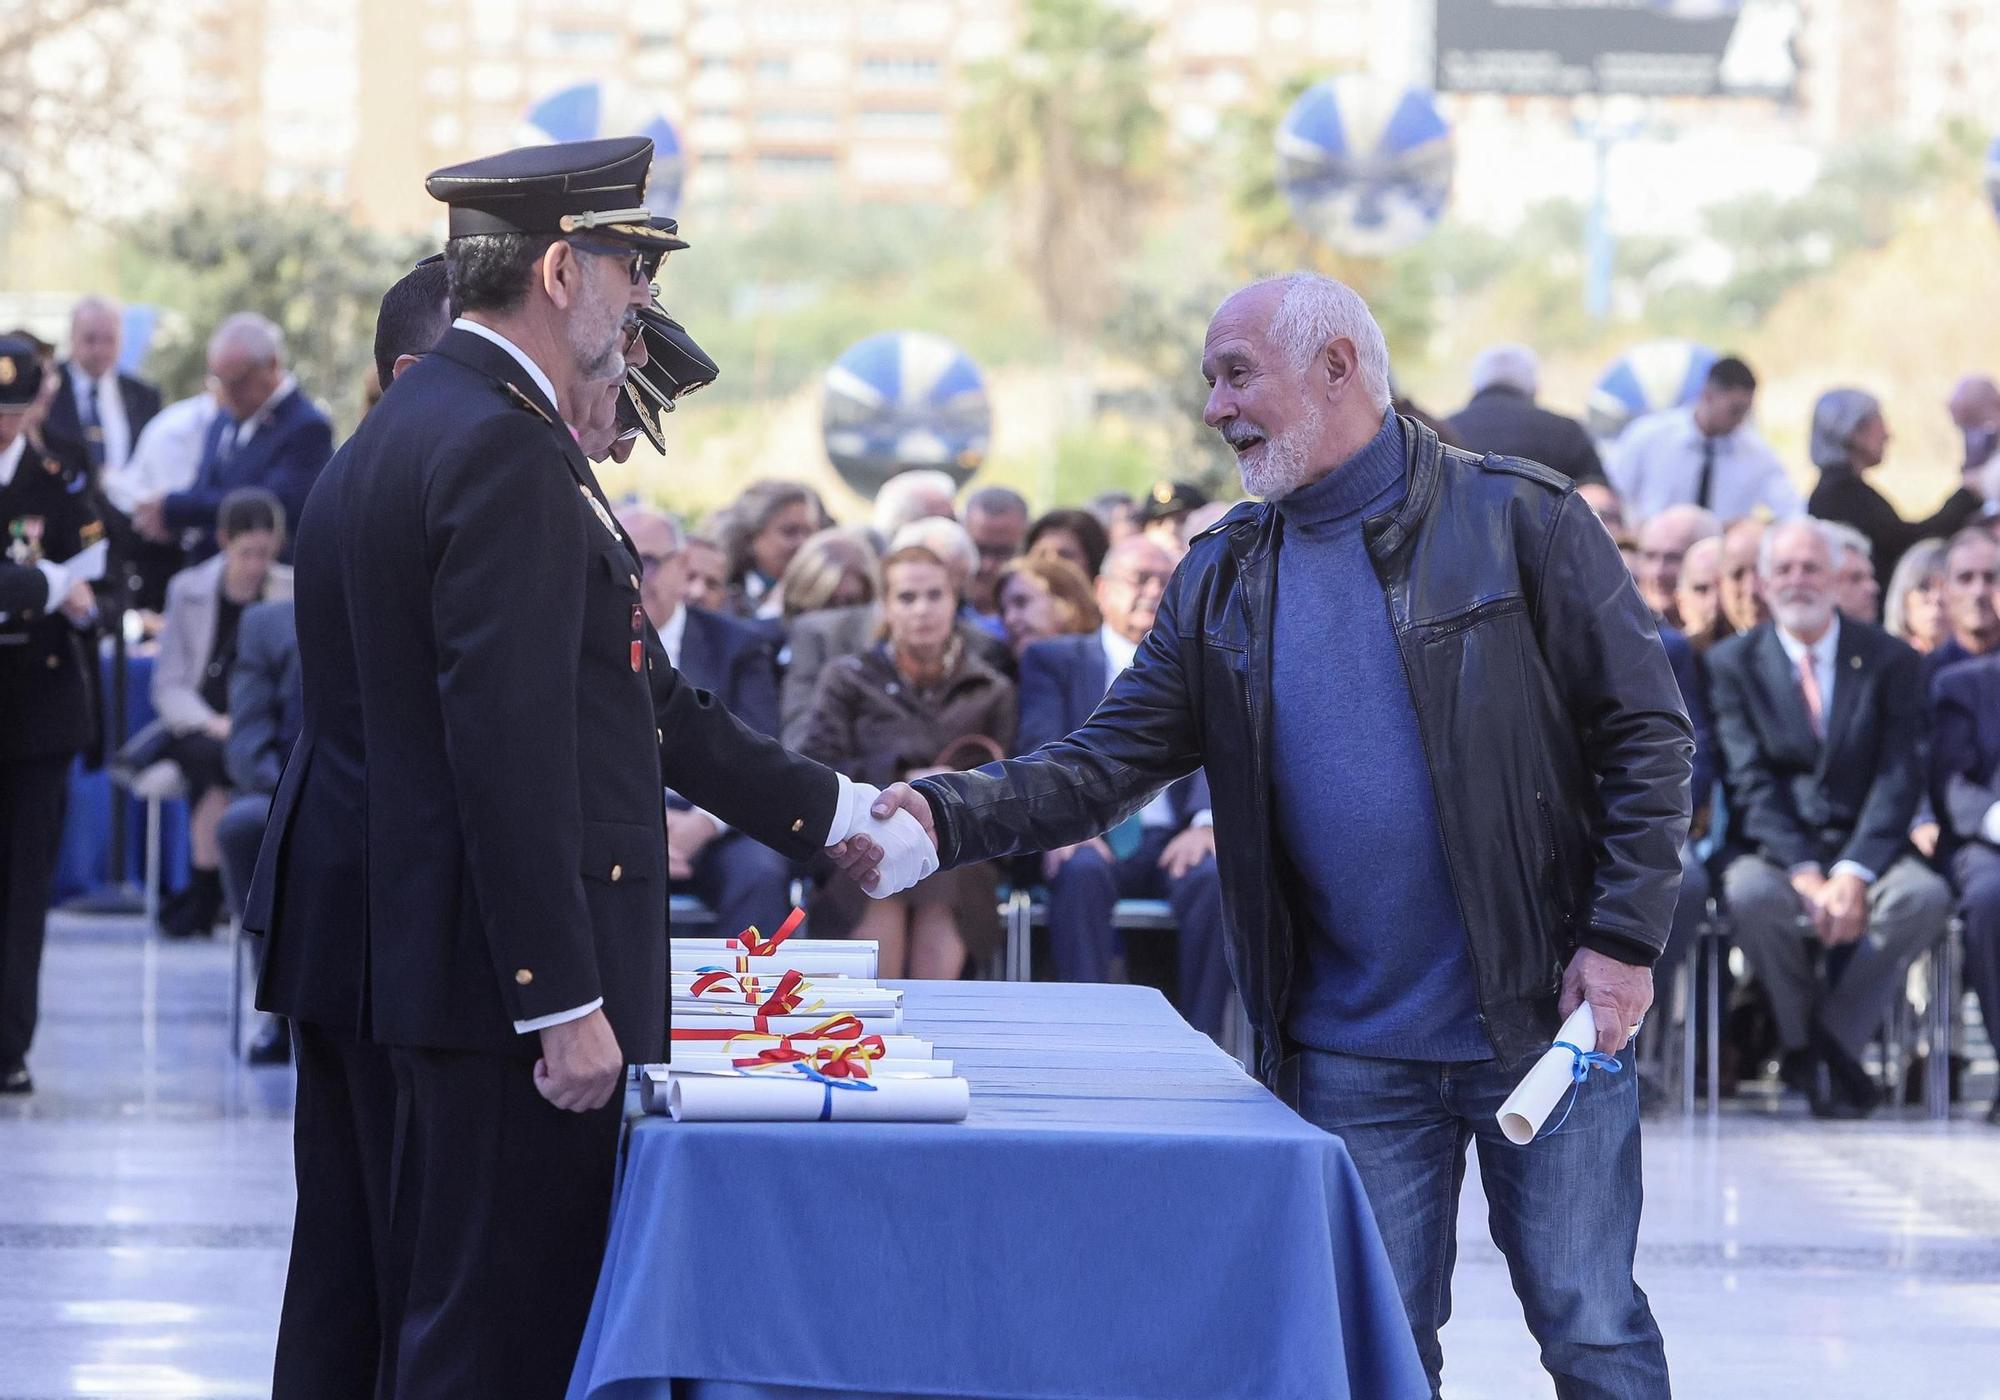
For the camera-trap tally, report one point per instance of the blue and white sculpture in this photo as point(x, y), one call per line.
point(588, 111)
point(904, 399)
point(1365, 166)
point(1653, 375)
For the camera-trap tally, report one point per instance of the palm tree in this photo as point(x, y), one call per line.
point(1064, 131)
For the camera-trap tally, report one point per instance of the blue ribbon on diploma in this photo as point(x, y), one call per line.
point(1582, 1062)
point(827, 1086)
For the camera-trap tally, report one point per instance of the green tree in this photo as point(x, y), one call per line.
point(310, 269)
point(1064, 132)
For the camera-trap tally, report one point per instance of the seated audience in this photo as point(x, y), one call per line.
point(1164, 514)
point(1044, 598)
point(1166, 851)
point(1074, 536)
point(910, 496)
point(760, 531)
point(198, 649)
point(1117, 512)
point(707, 573)
point(1965, 775)
point(1913, 610)
point(1743, 605)
point(266, 713)
point(1698, 595)
point(834, 569)
point(1705, 454)
point(1691, 904)
point(821, 637)
point(165, 459)
point(1504, 418)
point(1971, 573)
point(742, 882)
point(268, 434)
point(1821, 725)
point(997, 519)
point(1663, 545)
point(1856, 591)
point(918, 701)
point(1849, 439)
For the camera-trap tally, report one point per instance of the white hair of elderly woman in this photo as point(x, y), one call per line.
point(945, 538)
point(1314, 312)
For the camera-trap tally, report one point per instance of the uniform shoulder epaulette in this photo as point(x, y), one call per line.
point(1238, 513)
point(523, 401)
point(1518, 466)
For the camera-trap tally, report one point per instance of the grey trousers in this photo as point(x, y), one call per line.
point(1909, 910)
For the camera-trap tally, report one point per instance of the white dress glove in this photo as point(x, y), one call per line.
point(907, 854)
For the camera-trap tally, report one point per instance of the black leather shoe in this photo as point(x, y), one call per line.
point(1850, 1076)
point(274, 1046)
point(1829, 1100)
point(17, 1081)
point(1795, 1071)
point(1993, 1114)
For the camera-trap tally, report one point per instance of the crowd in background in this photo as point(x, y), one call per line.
point(1841, 665)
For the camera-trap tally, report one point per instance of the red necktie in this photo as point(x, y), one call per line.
point(1815, 701)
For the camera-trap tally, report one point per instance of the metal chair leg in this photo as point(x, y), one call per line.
point(1687, 992)
point(1718, 950)
point(1942, 1015)
point(152, 865)
point(235, 989)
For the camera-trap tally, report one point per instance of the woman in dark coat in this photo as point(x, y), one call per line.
point(918, 702)
point(1849, 437)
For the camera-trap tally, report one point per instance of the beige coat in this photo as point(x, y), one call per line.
point(189, 635)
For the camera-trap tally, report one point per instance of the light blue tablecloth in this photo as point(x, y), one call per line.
point(1125, 1214)
point(83, 863)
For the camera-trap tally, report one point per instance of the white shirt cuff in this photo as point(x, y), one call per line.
point(1205, 817)
point(1803, 866)
point(850, 809)
point(58, 578)
point(1989, 825)
point(1856, 869)
point(558, 1018)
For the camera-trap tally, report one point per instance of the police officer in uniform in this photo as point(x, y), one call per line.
point(46, 615)
point(479, 674)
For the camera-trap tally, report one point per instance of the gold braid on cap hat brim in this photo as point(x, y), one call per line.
point(620, 222)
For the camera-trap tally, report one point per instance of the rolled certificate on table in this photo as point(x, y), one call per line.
point(757, 1098)
point(720, 1022)
point(708, 1062)
point(1552, 1077)
point(815, 957)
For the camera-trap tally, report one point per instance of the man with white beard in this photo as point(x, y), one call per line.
point(1449, 768)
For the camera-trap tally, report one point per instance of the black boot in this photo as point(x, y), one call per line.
point(193, 915)
point(16, 1081)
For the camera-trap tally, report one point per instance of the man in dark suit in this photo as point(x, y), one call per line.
point(1166, 851)
point(268, 434)
point(1965, 783)
point(488, 706)
point(266, 712)
point(741, 881)
point(1971, 578)
point(1822, 729)
point(1503, 417)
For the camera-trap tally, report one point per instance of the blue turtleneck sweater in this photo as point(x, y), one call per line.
point(1384, 966)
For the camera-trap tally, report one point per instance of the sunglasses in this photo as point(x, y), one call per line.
point(641, 266)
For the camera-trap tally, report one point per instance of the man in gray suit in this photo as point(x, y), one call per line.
point(266, 710)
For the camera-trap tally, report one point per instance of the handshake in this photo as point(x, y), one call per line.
point(883, 839)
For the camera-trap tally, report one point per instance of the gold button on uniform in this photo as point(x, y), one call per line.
point(524, 977)
point(635, 580)
point(661, 735)
point(617, 873)
point(798, 826)
point(54, 661)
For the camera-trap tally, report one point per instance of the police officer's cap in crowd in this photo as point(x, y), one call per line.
point(675, 366)
point(20, 373)
point(595, 189)
point(1170, 498)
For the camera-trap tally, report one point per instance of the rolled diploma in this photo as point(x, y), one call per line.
point(1543, 1087)
point(829, 957)
point(723, 1064)
point(743, 1020)
point(758, 1099)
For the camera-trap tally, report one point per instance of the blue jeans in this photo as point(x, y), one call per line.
point(1564, 1210)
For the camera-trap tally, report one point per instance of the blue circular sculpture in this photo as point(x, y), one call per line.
point(904, 399)
point(588, 111)
point(1653, 375)
point(1365, 166)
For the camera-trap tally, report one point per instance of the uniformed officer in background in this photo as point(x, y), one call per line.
point(50, 547)
point(467, 600)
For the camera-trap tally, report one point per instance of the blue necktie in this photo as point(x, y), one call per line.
point(93, 427)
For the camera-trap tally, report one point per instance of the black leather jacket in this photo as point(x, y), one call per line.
point(1558, 746)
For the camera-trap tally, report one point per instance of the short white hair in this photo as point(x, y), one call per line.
point(945, 538)
point(1840, 535)
point(1767, 547)
point(254, 335)
point(1509, 366)
point(1314, 311)
point(96, 303)
point(909, 496)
